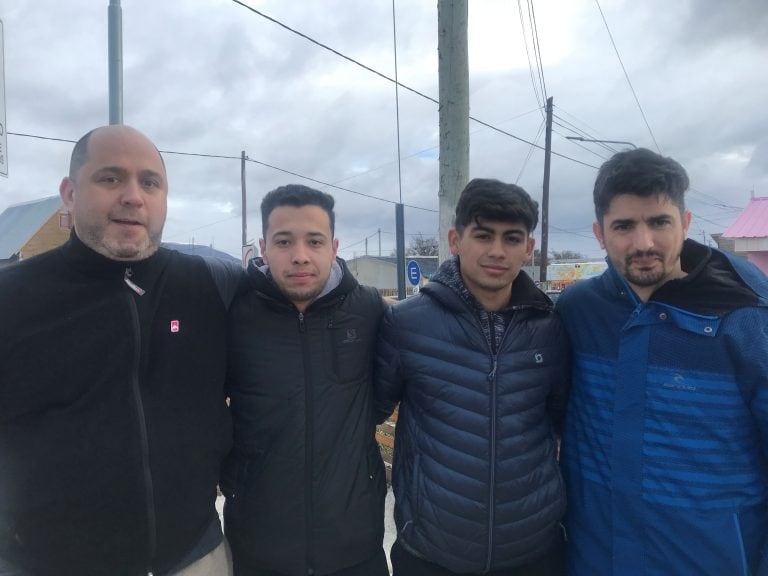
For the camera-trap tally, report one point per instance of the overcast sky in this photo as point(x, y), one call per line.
point(212, 77)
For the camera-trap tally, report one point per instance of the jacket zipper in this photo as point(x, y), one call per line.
point(493, 381)
point(492, 485)
point(143, 436)
point(308, 443)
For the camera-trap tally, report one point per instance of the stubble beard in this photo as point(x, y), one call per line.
point(119, 249)
point(653, 277)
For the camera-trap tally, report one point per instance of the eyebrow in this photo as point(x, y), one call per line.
point(152, 173)
point(481, 228)
point(121, 170)
point(292, 234)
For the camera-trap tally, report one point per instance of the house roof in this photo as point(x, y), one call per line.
point(18, 223)
point(197, 250)
point(752, 222)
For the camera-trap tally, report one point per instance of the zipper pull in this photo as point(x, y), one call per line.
point(302, 325)
point(131, 284)
point(492, 375)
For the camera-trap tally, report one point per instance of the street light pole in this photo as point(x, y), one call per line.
point(582, 139)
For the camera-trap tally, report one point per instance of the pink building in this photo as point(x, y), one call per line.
point(749, 233)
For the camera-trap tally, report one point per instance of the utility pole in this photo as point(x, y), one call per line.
point(379, 241)
point(400, 246)
point(242, 194)
point(399, 208)
point(545, 195)
point(452, 16)
point(115, 56)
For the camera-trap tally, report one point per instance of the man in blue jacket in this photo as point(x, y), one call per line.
point(665, 450)
point(479, 364)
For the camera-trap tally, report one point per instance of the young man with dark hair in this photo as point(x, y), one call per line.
point(479, 365)
point(305, 482)
point(665, 449)
point(113, 421)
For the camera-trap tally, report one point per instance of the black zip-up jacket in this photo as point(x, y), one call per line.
point(112, 415)
point(305, 482)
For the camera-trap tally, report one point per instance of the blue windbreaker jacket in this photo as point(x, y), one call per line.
point(665, 451)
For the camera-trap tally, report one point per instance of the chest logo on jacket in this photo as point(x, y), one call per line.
point(352, 337)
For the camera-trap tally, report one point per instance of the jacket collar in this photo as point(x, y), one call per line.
point(524, 293)
point(715, 283)
point(88, 261)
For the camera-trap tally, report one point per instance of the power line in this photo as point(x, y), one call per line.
point(530, 151)
point(336, 187)
point(499, 130)
point(539, 101)
point(564, 111)
point(259, 162)
point(564, 231)
point(385, 77)
point(706, 220)
point(334, 51)
point(626, 75)
point(41, 137)
point(577, 143)
point(717, 200)
point(537, 48)
point(575, 129)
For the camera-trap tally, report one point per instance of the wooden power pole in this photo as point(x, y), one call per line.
point(545, 195)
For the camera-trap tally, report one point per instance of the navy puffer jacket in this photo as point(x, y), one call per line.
point(476, 480)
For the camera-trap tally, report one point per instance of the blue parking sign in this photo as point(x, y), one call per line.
point(413, 272)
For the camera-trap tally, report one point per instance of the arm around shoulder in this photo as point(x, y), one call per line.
point(228, 276)
point(388, 383)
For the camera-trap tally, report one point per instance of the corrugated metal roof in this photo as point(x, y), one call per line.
point(752, 222)
point(18, 223)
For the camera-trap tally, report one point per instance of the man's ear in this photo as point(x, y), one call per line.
point(453, 241)
point(686, 216)
point(67, 193)
point(263, 250)
point(529, 249)
point(597, 230)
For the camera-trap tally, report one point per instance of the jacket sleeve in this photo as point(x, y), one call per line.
point(388, 384)
point(752, 352)
point(557, 401)
point(229, 278)
point(759, 409)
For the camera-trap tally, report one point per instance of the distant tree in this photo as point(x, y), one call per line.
point(555, 255)
point(568, 255)
point(423, 246)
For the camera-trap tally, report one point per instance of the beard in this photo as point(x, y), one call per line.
point(302, 295)
point(652, 276)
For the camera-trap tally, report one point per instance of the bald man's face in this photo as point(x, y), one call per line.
point(119, 198)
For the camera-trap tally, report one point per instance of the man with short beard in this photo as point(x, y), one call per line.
point(113, 421)
point(665, 449)
point(305, 482)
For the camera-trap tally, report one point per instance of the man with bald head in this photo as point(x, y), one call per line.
point(113, 422)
